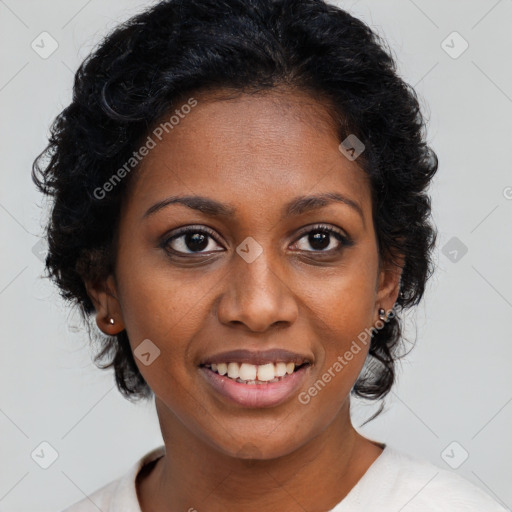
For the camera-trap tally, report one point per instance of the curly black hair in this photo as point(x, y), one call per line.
point(143, 69)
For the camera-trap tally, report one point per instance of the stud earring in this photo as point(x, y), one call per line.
point(382, 313)
point(111, 321)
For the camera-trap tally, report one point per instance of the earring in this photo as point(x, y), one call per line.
point(382, 313)
point(111, 321)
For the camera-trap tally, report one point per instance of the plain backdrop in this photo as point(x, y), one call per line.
point(452, 403)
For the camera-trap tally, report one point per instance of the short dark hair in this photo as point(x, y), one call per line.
point(148, 64)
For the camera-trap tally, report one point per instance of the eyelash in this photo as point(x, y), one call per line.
point(344, 240)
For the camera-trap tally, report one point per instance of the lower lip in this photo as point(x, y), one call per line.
point(256, 395)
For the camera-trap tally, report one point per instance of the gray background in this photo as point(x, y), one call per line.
point(456, 384)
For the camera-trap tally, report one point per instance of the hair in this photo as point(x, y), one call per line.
point(145, 67)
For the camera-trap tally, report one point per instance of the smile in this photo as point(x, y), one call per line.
point(250, 385)
point(253, 374)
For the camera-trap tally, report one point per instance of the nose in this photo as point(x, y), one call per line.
point(257, 295)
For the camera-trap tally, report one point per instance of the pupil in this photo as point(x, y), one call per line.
point(319, 240)
point(196, 241)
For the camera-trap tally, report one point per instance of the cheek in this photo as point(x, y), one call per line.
point(341, 309)
point(158, 302)
point(168, 308)
point(341, 316)
point(344, 299)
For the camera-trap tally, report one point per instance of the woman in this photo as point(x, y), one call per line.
point(240, 200)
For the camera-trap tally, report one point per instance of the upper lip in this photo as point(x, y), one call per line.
point(256, 357)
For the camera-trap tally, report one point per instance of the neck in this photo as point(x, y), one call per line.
point(195, 475)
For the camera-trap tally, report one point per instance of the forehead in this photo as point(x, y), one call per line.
point(261, 147)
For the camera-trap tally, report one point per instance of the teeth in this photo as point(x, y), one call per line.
point(280, 369)
point(248, 372)
point(251, 373)
point(233, 370)
point(267, 372)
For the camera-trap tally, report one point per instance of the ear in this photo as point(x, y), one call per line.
point(103, 294)
point(388, 284)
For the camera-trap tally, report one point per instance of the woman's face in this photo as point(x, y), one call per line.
point(255, 272)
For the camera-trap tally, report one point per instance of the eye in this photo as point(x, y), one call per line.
point(200, 240)
point(323, 239)
point(191, 240)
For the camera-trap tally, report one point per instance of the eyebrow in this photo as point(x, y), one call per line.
point(296, 206)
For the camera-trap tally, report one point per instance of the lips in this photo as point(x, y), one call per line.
point(269, 394)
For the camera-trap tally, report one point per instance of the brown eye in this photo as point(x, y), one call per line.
point(324, 239)
point(191, 241)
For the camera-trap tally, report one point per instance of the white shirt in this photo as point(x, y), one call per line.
point(394, 482)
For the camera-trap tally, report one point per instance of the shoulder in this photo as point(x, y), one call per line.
point(98, 500)
point(419, 485)
point(119, 495)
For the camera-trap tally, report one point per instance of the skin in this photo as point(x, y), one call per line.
point(256, 152)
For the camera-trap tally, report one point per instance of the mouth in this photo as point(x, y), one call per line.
point(248, 385)
point(245, 373)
